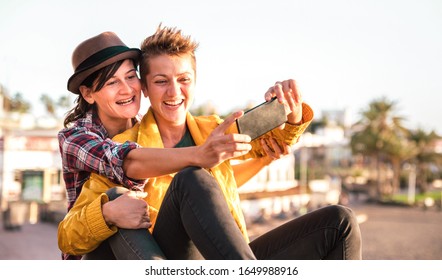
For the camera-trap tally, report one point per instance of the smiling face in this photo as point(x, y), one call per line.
point(170, 87)
point(119, 99)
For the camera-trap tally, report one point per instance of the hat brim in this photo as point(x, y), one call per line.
point(76, 79)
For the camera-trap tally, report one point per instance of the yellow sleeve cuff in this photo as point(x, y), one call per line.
point(95, 220)
point(289, 135)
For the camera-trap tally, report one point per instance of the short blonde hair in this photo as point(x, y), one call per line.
point(166, 41)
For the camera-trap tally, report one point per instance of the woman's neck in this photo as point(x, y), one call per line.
point(114, 127)
point(171, 135)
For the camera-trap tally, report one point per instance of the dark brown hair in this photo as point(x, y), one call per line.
point(96, 82)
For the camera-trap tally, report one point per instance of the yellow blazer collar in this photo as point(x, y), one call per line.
point(149, 134)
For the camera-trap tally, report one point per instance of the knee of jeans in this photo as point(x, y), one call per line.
point(194, 179)
point(191, 173)
point(346, 214)
point(115, 192)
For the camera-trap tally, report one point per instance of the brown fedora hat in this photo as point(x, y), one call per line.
point(95, 53)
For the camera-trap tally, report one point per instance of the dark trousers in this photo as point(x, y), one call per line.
point(126, 244)
point(331, 232)
point(194, 222)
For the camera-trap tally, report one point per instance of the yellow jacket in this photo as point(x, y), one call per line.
point(84, 228)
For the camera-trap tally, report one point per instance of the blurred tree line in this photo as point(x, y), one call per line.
point(385, 144)
point(18, 104)
point(379, 142)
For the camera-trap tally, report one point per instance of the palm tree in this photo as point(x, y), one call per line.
point(381, 136)
point(64, 102)
point(427, 161)
point(18, 104)
point(49, 103)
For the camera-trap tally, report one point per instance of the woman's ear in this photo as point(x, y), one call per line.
point(86, 92)
point(144, 90)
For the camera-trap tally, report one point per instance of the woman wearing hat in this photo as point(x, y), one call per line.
point(109, 91)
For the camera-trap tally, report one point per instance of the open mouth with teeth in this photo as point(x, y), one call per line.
point(174, 103)
point(126, 102)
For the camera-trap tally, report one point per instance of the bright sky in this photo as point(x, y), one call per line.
point(343, 53)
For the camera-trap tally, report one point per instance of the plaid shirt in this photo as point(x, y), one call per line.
point(85, 148)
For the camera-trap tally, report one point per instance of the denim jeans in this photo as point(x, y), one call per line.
point(126, 244)
point(331, 232)
point(194, 222)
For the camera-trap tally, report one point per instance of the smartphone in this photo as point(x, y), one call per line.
point(262, 118)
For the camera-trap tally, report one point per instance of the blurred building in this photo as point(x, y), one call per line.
point(30, 162)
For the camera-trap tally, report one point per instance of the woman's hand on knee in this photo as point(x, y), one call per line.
point(127, 211)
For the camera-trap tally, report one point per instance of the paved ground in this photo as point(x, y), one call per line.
point(31, 242)
point(388, 232)
point(401, 233)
